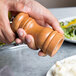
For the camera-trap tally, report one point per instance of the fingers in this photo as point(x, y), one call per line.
point(18, 41)
point(28, 39)
point(51, 20)
point(21, 34)
point(41, 53)
point(6, 34)
point(30, 42)
point(2, 39)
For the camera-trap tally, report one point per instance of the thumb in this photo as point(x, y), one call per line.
point(51, 20)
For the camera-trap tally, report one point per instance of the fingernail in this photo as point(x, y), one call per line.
point(21, 33)
point(61, 30)
point(28, 40)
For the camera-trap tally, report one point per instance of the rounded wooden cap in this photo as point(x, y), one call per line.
point(55, 44)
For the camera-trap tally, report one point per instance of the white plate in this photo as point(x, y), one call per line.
point(66, 20)
point(49, 73)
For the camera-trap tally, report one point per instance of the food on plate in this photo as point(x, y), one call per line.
point(9, 15)
point(66, 67)
point(69, 29)
point(1, 44)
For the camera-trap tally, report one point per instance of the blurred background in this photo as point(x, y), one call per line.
point(57, 3)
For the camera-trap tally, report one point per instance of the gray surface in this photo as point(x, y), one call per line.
point(25, 62)
point(63, 12)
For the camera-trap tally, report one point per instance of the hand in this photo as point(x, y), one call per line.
point(42, 15)
point(6, 34)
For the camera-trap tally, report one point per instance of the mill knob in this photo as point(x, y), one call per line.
point(45, 38)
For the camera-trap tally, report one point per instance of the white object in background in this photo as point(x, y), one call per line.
point(66, 20)
point(69, 62)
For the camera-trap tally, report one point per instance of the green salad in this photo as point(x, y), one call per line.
point(69, 29)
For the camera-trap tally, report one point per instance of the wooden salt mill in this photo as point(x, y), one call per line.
point(45, 38)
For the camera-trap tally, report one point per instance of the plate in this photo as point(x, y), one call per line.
point(66, 20)
point(49, 73)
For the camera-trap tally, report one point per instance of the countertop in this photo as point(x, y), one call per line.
point(25, 62)
point(60, 13)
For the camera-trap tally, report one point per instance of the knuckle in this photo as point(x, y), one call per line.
point(9, 35)
point(18, 6)
point(11, 39)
